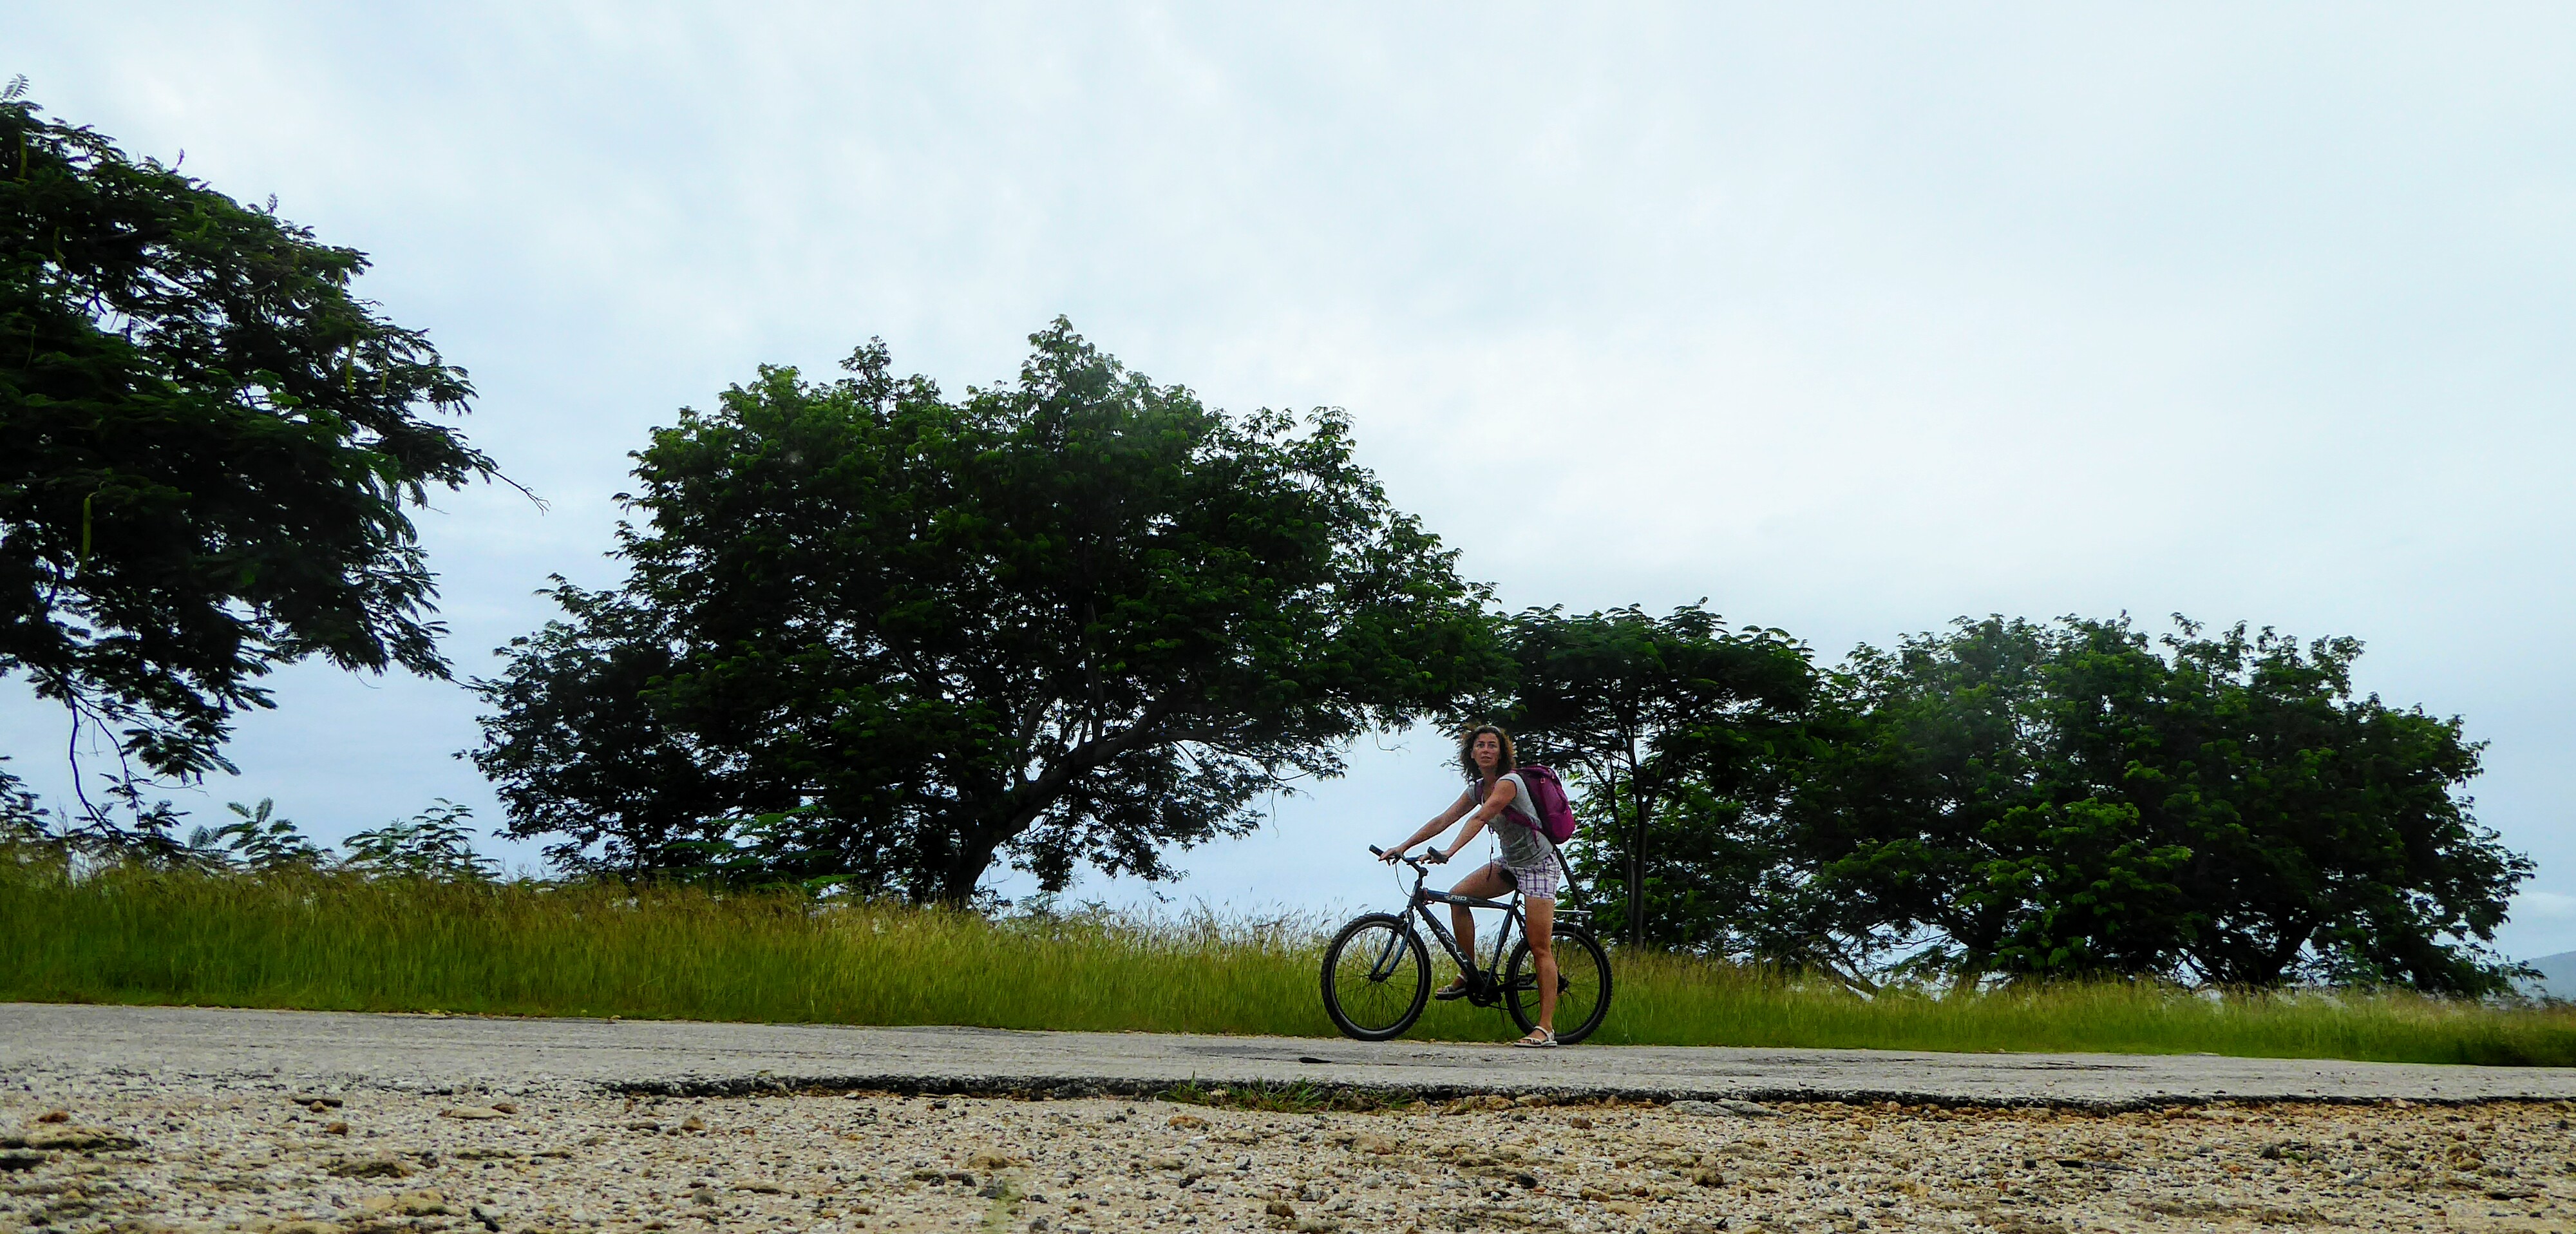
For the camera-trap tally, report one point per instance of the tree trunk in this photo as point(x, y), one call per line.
point(1637, 871)
point(957, 882)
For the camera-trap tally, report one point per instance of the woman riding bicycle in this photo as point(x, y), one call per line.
point(1528, 865)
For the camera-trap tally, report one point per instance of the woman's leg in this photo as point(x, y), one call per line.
point(1485, 884)
point(1542, 944)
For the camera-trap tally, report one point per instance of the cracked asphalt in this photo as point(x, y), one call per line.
point(44, 1042)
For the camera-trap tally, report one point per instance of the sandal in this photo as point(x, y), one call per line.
point(1454, 990)
point(1539, 1039)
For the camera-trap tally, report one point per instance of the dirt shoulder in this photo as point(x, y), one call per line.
point(138, 1153)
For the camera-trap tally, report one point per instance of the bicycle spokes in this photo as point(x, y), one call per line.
point(1386, 956)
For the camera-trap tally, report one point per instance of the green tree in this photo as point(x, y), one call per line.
point(1641, 711)
point(436, 844)
point(2075, 798)
point(211, 445)
point(892, 637)
point(258, 841)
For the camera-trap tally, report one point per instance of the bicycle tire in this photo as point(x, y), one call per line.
point(1375, 1009)
point(1583, 984)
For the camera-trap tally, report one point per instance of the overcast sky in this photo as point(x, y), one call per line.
point(1850, 319)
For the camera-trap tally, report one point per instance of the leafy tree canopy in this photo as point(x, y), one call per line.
point(876, 635)
point(1644, 710)
point(2072, 799)
point(211, 444)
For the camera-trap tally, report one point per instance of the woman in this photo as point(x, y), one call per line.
point(1529, 865)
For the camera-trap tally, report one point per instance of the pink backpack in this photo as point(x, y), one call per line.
point(1547, 801)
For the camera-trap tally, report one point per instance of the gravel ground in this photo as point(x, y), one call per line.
point(135, 1152)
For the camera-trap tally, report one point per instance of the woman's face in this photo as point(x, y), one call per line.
point(1487, 751)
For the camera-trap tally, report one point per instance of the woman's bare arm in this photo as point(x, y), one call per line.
point(1435, 826)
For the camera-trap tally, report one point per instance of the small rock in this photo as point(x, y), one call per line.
point(1188, 1122)
point(1280, 1208)
point(55, 1116)
point(73, 1140)
point(506, 1107)
point(316, 1102)
point(1037, 1225)
point(994, 1188)
point(336, 1129)
point(491, 1220)
point(1740, 1109)
point(691, 1123)
point(987, 1159)
point(11, 1163)
point(407, 1204)
point(1373, 1145)
point(471, 1112)
point(372, 1167)
point(1530, 1099)
point(1709, 1178)
point(1579, 1123)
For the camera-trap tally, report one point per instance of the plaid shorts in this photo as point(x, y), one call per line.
point(1536, 883)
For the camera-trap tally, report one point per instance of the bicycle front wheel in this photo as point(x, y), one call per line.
point(1376, 977)
point(1582, 984)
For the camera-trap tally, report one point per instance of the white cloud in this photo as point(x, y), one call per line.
point(2544, 906)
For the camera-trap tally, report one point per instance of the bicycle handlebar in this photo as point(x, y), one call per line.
point(1417, 863)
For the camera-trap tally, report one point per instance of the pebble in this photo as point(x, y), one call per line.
point(1740, 1109)
point(232, 1157)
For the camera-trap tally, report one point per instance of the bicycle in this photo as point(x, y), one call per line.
point(1377, 973)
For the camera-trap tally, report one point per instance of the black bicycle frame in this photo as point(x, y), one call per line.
point(1420, 906)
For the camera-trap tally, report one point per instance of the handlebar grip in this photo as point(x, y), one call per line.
point(1375, 851)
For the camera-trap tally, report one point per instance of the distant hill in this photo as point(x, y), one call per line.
point(2557, 975)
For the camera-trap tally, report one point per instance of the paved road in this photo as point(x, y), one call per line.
point(40, 1043)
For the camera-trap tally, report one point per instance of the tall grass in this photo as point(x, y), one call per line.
point(339, 942)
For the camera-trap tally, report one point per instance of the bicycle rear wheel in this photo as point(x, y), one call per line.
point(1582, 984)
point(1376, 977)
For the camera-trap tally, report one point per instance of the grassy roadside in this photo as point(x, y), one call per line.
point(343, 943)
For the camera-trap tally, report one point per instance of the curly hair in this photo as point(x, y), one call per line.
point(1467, 751)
